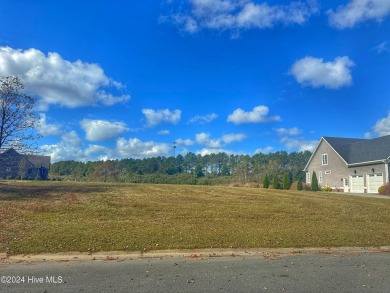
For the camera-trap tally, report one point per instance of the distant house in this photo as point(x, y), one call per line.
point(15, 165)
point(351, 164)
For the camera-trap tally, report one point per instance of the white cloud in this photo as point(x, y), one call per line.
point(163, 132)
point(185, 142)
point(99, 130)
point(135, 148)
point(204, 138)
point(382, 47)
point(155, 117)
point(288, 131)
point(69, 148)
point(258, 114)
point(59, 81)
point(310, 71)
point(265, 150)
point(382, 126)
point(357, 11)
point(298, 143)
point(46, 129)
point(209, 151)
point(232, 137)
point(236, 15)
point(203, 119)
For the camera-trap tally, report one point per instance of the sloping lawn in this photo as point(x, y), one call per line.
point(61, 217)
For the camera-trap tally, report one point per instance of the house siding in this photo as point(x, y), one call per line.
point(338, 172)
point(336, 165)
point(14, 165)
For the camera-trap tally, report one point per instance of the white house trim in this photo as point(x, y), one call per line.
point(365, 163)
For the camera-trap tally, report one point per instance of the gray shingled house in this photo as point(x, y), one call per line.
point(15, 165)
point(351, 164)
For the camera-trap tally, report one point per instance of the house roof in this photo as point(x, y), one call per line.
point(36, 161)
point(39, 161)
point(355, 150)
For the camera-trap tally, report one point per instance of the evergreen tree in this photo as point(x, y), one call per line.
point(314, 182)
point(300, 185)
point(275, 183)
point(286, 181)
point(266, 181)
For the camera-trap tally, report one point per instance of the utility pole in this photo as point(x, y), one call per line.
point(174, 149)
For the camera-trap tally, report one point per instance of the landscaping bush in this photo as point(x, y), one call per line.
point(286, 181)
point(275, 183)
point(265, 181)
point(326, 188)
point(314, 182)
point(385, 189)
point(299, 184)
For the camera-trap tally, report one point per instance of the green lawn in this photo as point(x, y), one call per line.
point(61, 217)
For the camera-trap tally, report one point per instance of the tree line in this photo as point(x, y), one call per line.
point(218, 168)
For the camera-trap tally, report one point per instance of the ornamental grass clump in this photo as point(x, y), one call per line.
point(385, 189)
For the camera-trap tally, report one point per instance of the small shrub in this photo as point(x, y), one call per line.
point(326, 188)
point(265, 181)
point(253, 184)
point(385, 189)
point(235, 184)
point(275, 183)
point(286, 181)
point(314, 182)
point(306, 186)
point(299, 184)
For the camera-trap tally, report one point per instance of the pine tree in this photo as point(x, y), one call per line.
point(300, 185)
point(286, 181)
point(266, 181)
point(314, 182)
point(275, 183)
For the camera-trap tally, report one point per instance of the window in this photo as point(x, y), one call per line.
point(328, 172)
point(320, 177)
point(324, 159)
point(308, 177)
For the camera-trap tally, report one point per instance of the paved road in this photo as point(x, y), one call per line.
point(309, 272)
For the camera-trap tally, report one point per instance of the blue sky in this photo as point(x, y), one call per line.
point(125, 79)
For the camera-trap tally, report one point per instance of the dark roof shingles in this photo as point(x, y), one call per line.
point(355, 150)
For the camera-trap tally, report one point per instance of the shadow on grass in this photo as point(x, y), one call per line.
point(15, 191)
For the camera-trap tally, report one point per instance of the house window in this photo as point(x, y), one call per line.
point(308, 177)
point(328, 172)
point(324, 159)
point(320, 177)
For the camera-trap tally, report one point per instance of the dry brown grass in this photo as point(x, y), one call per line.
point(59, 217)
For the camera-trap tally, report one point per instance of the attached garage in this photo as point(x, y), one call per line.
point(374, 181)
point(357, 183)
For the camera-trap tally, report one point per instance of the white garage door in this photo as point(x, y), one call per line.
point(374, 181)
point(357, 183)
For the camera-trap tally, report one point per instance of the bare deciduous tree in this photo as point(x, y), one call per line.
point(17, 117)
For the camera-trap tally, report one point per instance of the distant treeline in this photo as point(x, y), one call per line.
point(189, 169)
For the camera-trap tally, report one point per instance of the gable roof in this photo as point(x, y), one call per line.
point(343, 146)
point(369, 150)
point(357, 150)
point(34, 160)
point(39, 161)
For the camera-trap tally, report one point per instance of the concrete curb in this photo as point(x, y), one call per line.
point(266, 253)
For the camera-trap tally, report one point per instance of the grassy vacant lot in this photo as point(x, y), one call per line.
point(61, 217)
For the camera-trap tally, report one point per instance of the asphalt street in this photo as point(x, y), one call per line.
point(309, 272)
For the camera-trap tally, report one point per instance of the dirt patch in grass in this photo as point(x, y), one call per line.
point(62, 217)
